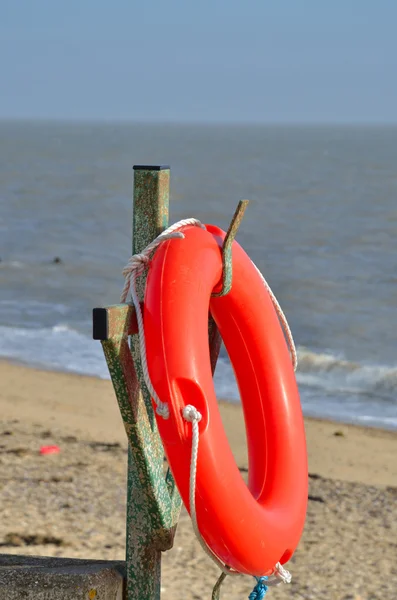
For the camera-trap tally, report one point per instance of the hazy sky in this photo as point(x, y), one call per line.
point(207, 60)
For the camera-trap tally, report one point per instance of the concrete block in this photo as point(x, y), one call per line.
point(42, 578)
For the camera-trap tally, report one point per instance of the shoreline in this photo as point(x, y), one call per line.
point(40, 369)
point(86, 406)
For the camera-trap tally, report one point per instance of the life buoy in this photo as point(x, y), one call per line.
point(250, 528)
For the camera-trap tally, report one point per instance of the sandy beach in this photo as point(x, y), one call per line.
point(73, 503)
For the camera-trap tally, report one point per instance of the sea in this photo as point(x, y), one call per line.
point(321, 226)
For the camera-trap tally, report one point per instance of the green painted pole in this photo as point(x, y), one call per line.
point(150, 218)
point(153, 501)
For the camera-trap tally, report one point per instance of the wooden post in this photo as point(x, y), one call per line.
point(153, 502)
point(144, 544)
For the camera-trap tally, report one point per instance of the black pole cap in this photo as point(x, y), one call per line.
point(150, 167)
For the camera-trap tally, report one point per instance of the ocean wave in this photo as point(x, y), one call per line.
point(331, 372)
point(33, 309)
point(60, 347)
point(330, 386)
point(321, 362)
point(382, 421)
point(13, 264)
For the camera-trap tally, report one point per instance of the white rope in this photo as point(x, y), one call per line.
point(281, 574)
point(137, 264)
point(142, 259)
point(134, 268)
point(283, 320)
point(193, 416)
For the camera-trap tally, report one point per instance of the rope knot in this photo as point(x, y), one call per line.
point(191, 414)
point(136, 261)
point(134, 267)
point(259, 590)
point(281, 573)
point(163, 410)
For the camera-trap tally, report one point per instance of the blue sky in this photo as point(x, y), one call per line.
point(237, 60)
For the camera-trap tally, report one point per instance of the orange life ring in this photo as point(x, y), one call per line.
point(248, 528)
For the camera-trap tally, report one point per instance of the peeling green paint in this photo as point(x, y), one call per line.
point(153, 504)
point(153, 501)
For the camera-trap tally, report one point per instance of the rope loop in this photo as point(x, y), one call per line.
point(133, 269)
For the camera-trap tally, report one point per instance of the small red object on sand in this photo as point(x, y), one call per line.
point(50, 450)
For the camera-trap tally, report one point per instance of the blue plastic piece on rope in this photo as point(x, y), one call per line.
point(259, 590)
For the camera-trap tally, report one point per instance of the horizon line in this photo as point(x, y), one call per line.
point(212, 122)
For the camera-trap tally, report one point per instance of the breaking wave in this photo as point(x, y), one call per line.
point(330, 386)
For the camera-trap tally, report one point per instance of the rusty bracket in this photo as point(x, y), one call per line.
point(227, 266)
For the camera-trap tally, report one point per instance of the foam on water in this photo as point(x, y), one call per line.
point(60, 347)
point(330, 386)
point(333, 373)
